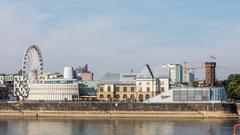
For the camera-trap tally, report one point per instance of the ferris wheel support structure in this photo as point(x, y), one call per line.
point(32, 68)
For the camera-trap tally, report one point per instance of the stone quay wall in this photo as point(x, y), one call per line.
point(129, 107)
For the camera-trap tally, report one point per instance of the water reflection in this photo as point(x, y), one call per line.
point(166, 126)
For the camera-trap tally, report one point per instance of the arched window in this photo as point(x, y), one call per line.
point(125, 97)
point(132, 96)
point(117, 96)
point(147, 97)
point(109, 97)
point(109, 88)
point(101, 97)
point(141, 98)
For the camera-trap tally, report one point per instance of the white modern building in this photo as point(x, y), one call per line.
point(191, 95)
point(55, 89)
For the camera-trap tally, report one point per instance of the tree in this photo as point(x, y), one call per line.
point(195, 84)
point(232, 85)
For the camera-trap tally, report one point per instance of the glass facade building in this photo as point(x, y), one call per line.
point(200, 95)
point(218, 94)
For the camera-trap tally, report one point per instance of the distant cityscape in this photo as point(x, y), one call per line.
point(168, 83)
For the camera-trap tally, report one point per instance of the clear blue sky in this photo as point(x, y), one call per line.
point(119, 35)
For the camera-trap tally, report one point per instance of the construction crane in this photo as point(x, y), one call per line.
point(193, 66)
point(190, 68)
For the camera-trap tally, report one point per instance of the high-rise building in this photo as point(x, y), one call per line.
point(190, 77)
point(175, 73)
point(210, 73)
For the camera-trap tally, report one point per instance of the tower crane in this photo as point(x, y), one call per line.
point(191, 68)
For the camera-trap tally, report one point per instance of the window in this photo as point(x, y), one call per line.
point(132, 89)
point(117, 96)
point(162, 89)
point(148, 89)
point(101, 89)
point(162, 82)
point(141, 98)
point(139, 83)
point(109, 97)
point(125, 97)
point(140, 89)
point(147, 97)
point(117, 89)
point(109, 88)
point(125, 89)
point(148, 83)
point(101, 96)
point(132, 96)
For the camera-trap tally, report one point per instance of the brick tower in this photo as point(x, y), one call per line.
point(210, 73)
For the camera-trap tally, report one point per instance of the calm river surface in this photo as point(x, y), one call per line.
point(166, 126)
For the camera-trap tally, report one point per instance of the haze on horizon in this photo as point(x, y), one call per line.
point(117, 36)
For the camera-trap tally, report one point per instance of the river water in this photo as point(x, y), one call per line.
point(149, 126)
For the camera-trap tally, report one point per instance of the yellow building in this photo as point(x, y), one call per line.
point(131, 87)
point(118, 92)
point(119, 87)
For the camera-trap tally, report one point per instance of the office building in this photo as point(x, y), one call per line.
point(87, 90)
point(175, 73)
point(8, 82)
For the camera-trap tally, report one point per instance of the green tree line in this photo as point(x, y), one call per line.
point(232, 85)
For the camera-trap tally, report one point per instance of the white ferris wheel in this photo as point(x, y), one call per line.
point(32, 66)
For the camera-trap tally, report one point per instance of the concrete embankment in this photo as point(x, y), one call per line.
point(118, 110)
point(117, 114)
